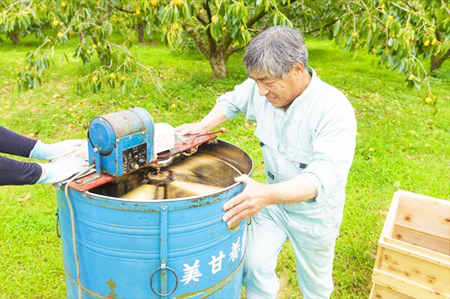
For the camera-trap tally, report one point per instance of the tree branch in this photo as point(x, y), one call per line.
point(122, 9)
point(250, 22)
point(325, 26)
point(201, 20)
point(212, 42)
point(407, 4)
point(197, 38)
point(231, 50)
point(331, 23)
point(445, 7)
point(208, 10)
point(262, 13)
point(402, 8)
point(255, 18)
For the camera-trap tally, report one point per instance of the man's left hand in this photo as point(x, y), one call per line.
point(248, 203)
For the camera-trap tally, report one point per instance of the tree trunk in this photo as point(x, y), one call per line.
point(217, 62)
point(436, 61)
point(14, 36)
point(140, 31)
point(217, 56)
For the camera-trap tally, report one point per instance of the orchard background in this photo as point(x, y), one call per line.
point(65, 62)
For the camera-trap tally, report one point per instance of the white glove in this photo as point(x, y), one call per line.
point(58, 150)
point(61, 170)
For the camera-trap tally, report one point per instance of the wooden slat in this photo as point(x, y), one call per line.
point(415, 267)
point(383, 292)
point(413, 258)
point(421, 251)
point(406, 287)
point(423, 213)
point(423, 239)
point(443, 232)
point(390, 218)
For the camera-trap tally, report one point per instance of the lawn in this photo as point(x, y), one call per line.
point(401, 144)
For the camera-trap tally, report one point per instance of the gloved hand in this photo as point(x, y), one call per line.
point(61, 170)
point(58, 150)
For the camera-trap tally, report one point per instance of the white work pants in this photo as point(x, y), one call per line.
point(313, 243)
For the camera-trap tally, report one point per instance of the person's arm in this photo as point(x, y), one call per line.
point(213, 119)
point(240, 100)
point(256, 196)
point(14, 172)
point(15, 144)
point(68, 158)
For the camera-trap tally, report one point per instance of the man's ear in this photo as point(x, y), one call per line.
point(299, 68)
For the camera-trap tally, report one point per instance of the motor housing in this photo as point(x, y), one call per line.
point(121, 142)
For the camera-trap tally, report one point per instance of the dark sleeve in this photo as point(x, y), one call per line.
point(14, 172)
point(15, 144)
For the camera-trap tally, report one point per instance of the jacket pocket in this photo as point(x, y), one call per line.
point(299, 158)
point(266, 138)
point(293, 163)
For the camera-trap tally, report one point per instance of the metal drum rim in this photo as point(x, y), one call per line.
point(160, 200)
point(89, 194)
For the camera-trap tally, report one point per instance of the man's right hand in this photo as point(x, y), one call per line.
point(190, 129)
point(213, 119)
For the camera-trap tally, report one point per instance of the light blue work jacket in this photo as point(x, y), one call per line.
point(315, 137)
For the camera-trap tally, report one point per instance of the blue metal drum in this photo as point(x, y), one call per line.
point(172, 248)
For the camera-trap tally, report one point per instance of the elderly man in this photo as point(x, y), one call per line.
point(307, 131)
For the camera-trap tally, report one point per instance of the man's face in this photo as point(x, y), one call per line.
point(279, 92)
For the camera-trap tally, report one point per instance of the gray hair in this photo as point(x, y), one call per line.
point(276, 51)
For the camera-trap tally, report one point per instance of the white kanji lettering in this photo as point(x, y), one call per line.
point(235, 248)
point(216, 262)
point(191, 272)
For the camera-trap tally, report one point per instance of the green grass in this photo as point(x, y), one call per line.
point(400, 145)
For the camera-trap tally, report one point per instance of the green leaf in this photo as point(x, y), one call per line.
point(389, 61)
point(396, 45)
point(215, 30)
point(369, 37)
point(40, 71)
point(136, 82)
point(336, 28)
point(401, 67)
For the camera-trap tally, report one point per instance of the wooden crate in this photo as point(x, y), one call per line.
point(413, 256)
